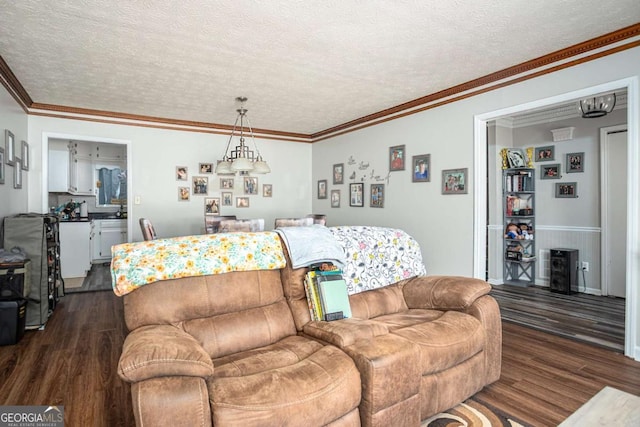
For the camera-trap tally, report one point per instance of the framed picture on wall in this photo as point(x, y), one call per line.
point(396, 158)
point(267, 190)
point(356, 194)
point(17, 174)
point(226, 183)
point(1, 165)
point(338, 173)
point(454, 181)
point(184, 193)
point(227, 198)
point(551, 171)
point(377, 196)
point(421, 168)
point(200, 185)
point(516, 158)
point(25, 155)
point(322, 189)
point(10, 147)
point(250, 185)
point(574, 162)
point(566, 190)
point(182, 173)
point(335, 198)
point(212, 206)
point(544, 154)
point(242, 202)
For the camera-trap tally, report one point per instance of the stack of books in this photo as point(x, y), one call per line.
point(327, 293)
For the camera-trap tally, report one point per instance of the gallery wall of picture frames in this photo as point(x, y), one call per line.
point(9, 157)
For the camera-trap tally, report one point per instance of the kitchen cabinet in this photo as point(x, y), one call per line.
point(110, 152)
point(80, 169)
point(75, 254)
point(105, 234)
point(58, 170)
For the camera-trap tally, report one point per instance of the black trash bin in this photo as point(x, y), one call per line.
point(14, 289)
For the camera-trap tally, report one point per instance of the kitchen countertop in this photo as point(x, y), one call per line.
point(93, 216)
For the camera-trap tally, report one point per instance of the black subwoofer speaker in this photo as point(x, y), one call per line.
point(564, 270)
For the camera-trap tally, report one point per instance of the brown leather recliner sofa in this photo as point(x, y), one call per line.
point(239, 348)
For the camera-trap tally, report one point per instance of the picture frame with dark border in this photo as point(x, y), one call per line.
point(574, 162)
point(545, 154)
point(2, 165)
point(397, 158)
point(322, 189)
point(376, 196)
point(455, 181)
point(421, 168)
point(10, 147)
point(356, 194)
point(24, 150)
point(335, 198)
point(184, 194)
point(566, 190)
point(212, 205)
point(550, 171)
point(17, 174)
point(338, 173)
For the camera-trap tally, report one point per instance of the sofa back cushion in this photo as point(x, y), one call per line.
point(226, 313)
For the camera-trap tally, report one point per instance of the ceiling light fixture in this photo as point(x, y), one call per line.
point(241, 158)
point(597, 106)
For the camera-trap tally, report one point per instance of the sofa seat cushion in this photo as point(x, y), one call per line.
point(407, 318)
point(315, 390)
point(446, 341)
point(285, 352)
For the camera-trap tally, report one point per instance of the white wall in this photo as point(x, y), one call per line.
point(12, 117)
point(154, 155)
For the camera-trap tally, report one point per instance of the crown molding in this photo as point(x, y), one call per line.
point(563, 58)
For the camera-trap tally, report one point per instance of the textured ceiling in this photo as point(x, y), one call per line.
point(305, 66)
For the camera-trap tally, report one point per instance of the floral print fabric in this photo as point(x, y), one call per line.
point(139, 263)
point(377, 256)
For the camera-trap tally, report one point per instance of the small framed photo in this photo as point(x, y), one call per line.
point(184, 194)
point(200, 185)
point(10, 147)
point(396, 158)
point(454, 181)
point(356, 194)
point(545, 154)
point(566, 190)
point(182, 173)
point(551, 171)
point(267, 190)
point(25, 155)
point(250, 185)
point(242, 202)
point(322, 189)
point(421, 168)
point(226, 183)
point(206, 167)
point(516, 158)
point(335, 198)
point(212, 206)
point(2, 160)
point(338, 173)
point(575, 162)
point(377, 196)
point(17, 174)
point(227, 198)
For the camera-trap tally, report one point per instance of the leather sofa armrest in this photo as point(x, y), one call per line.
point(160, 351)
point(444, 292)
point(345, 332)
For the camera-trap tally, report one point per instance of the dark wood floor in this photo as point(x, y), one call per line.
point(591, 318)
point(98, 279)
point(72, 362)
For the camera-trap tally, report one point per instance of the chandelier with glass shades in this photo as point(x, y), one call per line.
point(241, 158)
point(597, 106)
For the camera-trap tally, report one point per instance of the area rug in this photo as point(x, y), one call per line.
point(472, 413)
